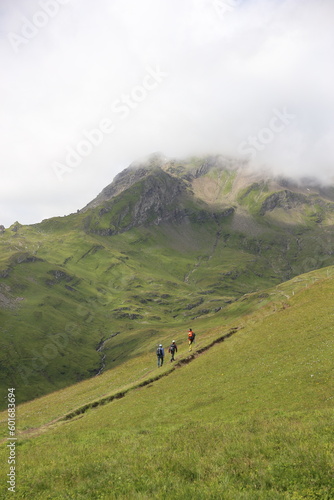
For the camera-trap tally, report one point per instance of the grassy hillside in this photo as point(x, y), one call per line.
point(248, 418)
point(178, 243)
point(65, 293)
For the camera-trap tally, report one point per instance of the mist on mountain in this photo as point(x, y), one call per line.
point(249, 79)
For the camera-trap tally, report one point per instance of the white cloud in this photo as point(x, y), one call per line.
point(226, 76)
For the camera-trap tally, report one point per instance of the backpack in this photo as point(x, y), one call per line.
point(191, 336)
point(159, 352)
point(172, 348)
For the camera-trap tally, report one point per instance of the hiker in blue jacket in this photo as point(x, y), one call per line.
point(160, 355)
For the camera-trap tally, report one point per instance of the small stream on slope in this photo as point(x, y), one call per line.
point(100, 349)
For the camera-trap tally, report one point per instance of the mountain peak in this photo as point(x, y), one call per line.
point(186, 169)
point(157, 189)
point(129, 176)
point(151, 161)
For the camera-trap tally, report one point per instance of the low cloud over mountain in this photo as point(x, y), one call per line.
point(89, 89)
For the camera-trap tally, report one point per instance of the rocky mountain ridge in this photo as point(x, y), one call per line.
point(186, 170)
point(158, 190)
point(190, 169)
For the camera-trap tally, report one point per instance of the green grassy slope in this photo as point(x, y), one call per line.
point(249, 418)
point(90, 291)
point(67, 291)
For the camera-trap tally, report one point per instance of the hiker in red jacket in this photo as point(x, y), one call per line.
point(191, 338)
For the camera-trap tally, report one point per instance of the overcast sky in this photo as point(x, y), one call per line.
point(88, 87)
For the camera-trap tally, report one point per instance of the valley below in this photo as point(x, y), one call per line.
point(246, 261)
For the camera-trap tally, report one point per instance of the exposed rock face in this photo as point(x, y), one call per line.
point(58, 276)
point(159, 163)
point(159, 199)
point(283, 199)
point(159, 190)
point(127, 178)
point(154, 197)
point(122, 181)
point(7, 300)
point(24, 257)
point(15, 227)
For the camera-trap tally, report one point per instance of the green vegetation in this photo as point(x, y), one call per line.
point(247, 415)
point(248, 418)
point(253, 196)
point(85, 293)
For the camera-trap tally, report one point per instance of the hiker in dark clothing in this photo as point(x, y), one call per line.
point(160, 355)
point(172, 350)
point(191, 338)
